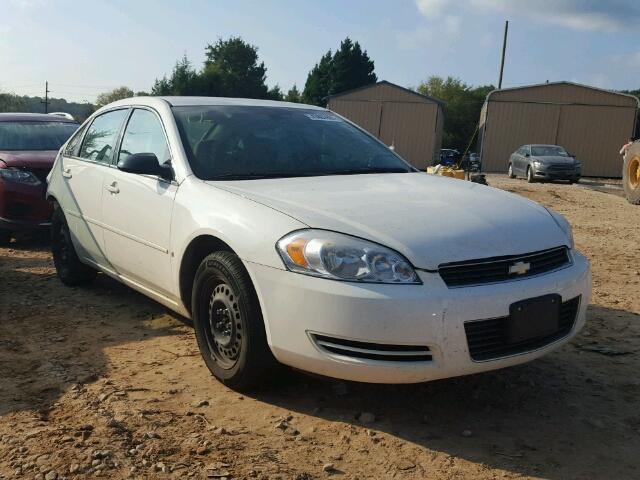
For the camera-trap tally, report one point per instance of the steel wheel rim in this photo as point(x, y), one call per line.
point(224, 327)
point(510, 170)
point(634, 172)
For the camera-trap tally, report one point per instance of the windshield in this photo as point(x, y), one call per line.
point(549, 151)
point(240, 142)
point(35, 135)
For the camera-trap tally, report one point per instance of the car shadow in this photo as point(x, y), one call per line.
point(52, 336)
point(571, 414)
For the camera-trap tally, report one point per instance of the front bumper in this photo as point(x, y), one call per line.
point(545, 173)
point(296, 307)
point(23, 207)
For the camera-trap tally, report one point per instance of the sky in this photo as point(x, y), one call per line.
point(87, 47)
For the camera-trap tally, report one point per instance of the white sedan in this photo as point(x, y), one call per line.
point(291, 236)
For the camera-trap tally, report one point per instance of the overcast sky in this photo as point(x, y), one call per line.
point(85, 47)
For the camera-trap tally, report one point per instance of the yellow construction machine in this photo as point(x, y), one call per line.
point(631, 174)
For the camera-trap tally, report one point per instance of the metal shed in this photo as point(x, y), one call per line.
point(588, 122)
point(409, 121)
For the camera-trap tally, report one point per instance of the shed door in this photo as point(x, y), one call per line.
point(411, 128)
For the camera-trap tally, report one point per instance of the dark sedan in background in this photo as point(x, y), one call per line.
point(544, 162)
point(29, 143)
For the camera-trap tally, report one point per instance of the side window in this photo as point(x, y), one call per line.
point(144, 134)
point(101, 136)
point(71, 150)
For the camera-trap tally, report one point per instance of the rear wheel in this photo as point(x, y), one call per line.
point(228, 323)
point(510, 172)
point(530, 177)
point(631, 174)
point(71, 271)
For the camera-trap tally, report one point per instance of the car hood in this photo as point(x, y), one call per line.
point(37, 159)
point(429, 219)
point(553, 159)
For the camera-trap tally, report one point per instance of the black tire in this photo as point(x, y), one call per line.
point(5, 238)
point(228, 323)
point(510, 173)
point(530, 177)
point(71, 271)
point(631, 174)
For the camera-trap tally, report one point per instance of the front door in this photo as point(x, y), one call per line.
point(137, 209)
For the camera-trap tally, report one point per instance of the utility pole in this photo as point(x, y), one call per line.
point(504, 51)
point(46, 97)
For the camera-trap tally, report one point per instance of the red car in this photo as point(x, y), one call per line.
point(29, 143)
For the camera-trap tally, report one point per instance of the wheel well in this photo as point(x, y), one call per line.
point(199, 248)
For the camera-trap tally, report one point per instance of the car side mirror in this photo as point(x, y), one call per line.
point(527, 154)
point(145, 164)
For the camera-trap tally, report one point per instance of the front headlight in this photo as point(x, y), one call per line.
point(537, 163)
point(564, 225)
point(337, 256)
point(18, 176)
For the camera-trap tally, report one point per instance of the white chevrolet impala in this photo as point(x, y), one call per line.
point(290, 236)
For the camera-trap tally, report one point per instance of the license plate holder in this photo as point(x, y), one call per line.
point(533, 318)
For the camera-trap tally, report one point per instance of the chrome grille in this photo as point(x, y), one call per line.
point(501, 269)
point(372, 351)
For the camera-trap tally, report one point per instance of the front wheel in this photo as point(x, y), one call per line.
point(530, 177)
point(510, 172)
point(228, 323)
point(71, 271)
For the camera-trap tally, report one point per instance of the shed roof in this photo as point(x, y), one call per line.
point(561, 95)
point(424, 98)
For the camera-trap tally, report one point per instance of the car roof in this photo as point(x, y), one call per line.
point(543, 145)
point(201, 101)
point(33, 117)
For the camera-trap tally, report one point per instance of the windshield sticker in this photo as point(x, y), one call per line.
point(323, 117)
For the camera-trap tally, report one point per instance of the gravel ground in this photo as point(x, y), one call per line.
point(101, 382)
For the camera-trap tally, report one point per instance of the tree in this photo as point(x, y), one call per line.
point(350, 67)
point(293, 95)
point(231, 69)
point(183, 80)
point(113, 95)
point(462, 108)
point(274, 93)
point(11, 103)
point(234, 65)
point(316, 89)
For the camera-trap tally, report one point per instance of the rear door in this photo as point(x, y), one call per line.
point(137, 208)
point(84, 163)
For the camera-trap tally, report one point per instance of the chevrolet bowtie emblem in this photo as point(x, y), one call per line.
point(519, 268)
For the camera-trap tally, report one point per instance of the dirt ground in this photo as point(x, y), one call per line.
point(101, 382)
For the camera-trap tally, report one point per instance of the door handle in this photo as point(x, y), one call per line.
point(66, 173)
point(113, 188)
